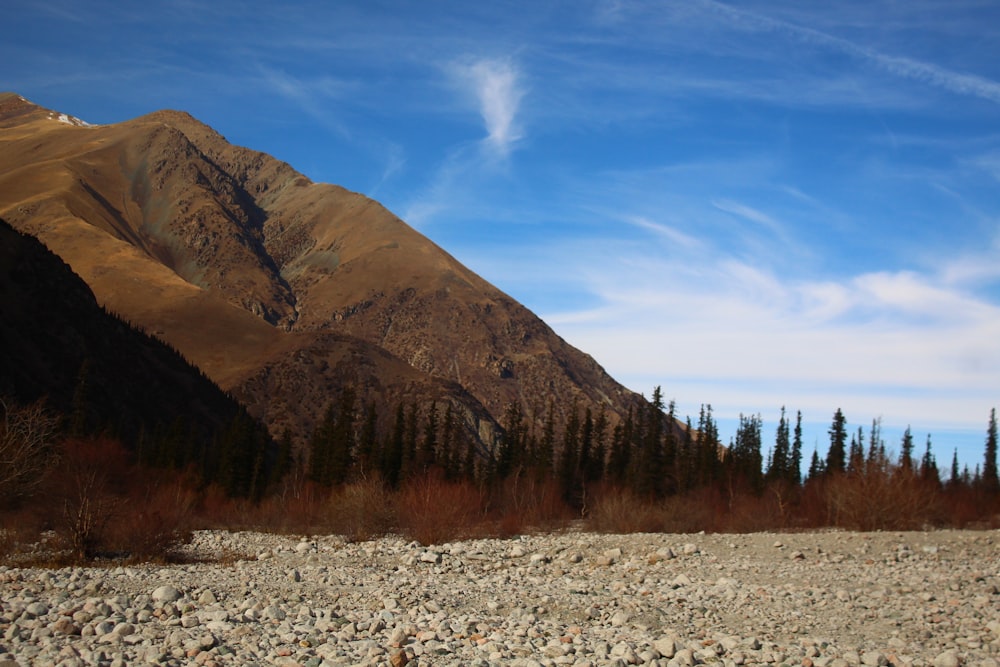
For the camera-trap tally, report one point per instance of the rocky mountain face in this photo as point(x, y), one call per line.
point(58, 345)
point(281, 290)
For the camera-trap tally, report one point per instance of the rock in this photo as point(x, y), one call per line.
point(430, 557)
point(874, 659)
point(947, 659)
point(166, 594)
point(665, 646)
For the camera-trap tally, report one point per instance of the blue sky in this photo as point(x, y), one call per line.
point(753, 205)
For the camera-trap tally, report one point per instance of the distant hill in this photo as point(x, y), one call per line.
point(281, 290)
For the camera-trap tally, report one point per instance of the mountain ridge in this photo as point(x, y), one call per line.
point(261, 277)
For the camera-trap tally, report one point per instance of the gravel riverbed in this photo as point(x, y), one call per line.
point(821, 599)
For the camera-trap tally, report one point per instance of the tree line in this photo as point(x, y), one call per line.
point(648, 451)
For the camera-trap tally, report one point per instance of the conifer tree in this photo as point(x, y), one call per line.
point(342, 443)
point(368, 455)
point(856, 458)
point(448, 454)
point(427, 454)
point(815, 467)
point(598, 458)
point(392, 452)
point(545, 452)
point(780, 460)
point(795, 467)
point(928, 465)
point(990, 481)
point(906, 451)
point(836, 456)
point(956, 477)
point(570, 452)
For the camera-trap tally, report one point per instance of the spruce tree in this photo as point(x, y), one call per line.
point(795, 464)
point(780, 463)
point(836, 456)
point(990, 481)
point(906, 451)
point(928, 465)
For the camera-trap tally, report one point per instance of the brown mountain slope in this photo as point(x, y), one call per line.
point(280, 289)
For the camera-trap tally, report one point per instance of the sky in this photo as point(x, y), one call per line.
point(752, 205)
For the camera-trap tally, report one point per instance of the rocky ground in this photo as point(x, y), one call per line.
point(831, 599)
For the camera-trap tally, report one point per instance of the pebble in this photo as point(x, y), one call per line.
point(824, 599)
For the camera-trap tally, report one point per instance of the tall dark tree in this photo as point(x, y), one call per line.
point(449, 458)
point(955, 479)
point(368, 454)
point(744, 456)
point(795, 467)
point(875, 459)
point(856, 457)
point(598, 458)
point(836, 456)
point(928, 465)
point(816, 469)
point(989, 479)
point(780, 464)
point(427, 453)
point(906, 451)
point(392, 452)
point(570, 453)
point(650, 462)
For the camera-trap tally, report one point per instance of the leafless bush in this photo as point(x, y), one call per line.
point(432, 510)
point(361, 510)
point(618, 510)
point(882, 500)
point(27, 443)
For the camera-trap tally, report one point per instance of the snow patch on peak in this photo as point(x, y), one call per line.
point(69, 120)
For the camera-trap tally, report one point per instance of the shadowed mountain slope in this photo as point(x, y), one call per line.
point(281, 290)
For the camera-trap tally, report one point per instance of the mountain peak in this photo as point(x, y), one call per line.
point(281, 290)
point(16, 110)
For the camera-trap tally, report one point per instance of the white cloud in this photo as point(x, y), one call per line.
point(901, 344)
point(495, 85)
point(915, 70)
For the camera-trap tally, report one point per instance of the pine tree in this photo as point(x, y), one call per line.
point(570, 452)
point(795, 467)
point(856, 459)
point(780, 463)
point(956, 476)
point(427, 454)
point(928, 465)
point(990, 481)
point(836, 456)
point(342, 440)
point(906, 451)
point(874, 460)
point(392, 452)
point(815, 467)
point(449, 458)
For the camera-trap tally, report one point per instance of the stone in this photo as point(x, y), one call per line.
point(166, 594)
point(947, 659)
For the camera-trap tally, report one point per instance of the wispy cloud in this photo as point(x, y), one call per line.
point(929, 73)
point(496, 86)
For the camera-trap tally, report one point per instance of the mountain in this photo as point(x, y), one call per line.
point(87, 365)
point(281, 290)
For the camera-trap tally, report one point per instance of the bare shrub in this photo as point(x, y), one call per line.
point(155, 522)
point(882, 500)
point(84, 490)
point(619, 510)
point(526, 503)
point(432, 510)
point(27, 448)
point(361, 510)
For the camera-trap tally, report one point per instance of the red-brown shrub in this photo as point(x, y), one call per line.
point(432, 510)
